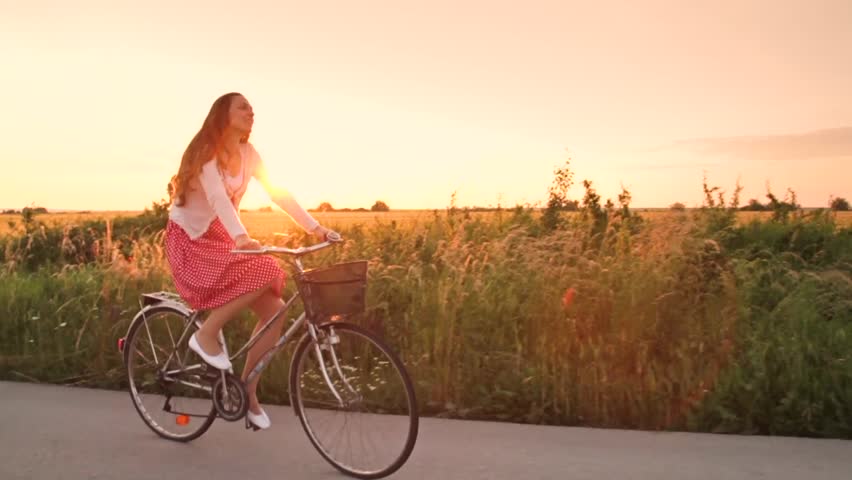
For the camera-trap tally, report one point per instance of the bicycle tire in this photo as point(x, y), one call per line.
point(142, 327)
point(395, 406)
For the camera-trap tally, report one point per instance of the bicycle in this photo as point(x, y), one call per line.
point(341, 375)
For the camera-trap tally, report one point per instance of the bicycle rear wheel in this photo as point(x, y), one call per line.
point(359, 411)
point(174, 403)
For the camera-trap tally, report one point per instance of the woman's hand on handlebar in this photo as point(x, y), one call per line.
point(244, 242)
point(325, 234)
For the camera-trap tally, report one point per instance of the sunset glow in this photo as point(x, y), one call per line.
point(409, 102)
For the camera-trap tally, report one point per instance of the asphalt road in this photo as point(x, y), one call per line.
point(52, 432)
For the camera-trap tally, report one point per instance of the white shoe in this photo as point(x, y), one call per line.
point(260, 421)
point(219, 361)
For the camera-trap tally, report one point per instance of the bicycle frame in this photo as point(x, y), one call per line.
point(263, 362)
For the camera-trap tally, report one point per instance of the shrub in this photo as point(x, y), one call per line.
point(754, 205)
point(380, 206)
point(839, 204)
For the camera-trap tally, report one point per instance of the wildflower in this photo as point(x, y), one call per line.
point(568, 297)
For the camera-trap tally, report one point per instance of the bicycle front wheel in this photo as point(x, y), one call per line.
point(355, 400)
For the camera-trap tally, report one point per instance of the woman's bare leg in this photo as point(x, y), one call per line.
point(264, 307)
point(207, 335)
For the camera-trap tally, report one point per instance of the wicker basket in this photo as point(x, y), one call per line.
point(339, 289)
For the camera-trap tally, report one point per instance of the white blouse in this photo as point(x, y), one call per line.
point(217, 194)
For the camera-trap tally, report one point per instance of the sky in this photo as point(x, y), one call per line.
point(410, 101)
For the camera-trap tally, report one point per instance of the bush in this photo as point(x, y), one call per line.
point(380, 206)
point(557, 197)
point(781, 209)
point(40, 245)
point(754, 206)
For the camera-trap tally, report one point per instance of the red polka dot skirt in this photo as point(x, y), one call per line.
point(207, 275)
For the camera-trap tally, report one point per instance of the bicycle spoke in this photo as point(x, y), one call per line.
point(166, 395)
point(356, 436)
point(171, 337)
point(317, 403)
point(150, 341)
point(147, 360)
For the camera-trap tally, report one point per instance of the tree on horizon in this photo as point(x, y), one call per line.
point(839, 204)
point(325, 207)
point(380, 206)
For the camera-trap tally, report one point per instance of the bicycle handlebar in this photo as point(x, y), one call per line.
point(298, 252)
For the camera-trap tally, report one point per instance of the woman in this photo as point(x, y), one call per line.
point(204, 226)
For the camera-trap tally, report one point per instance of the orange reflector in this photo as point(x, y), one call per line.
point(182, 419)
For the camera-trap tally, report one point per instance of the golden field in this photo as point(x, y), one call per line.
point(683, 321)
point(264, 224)
point(260, 224)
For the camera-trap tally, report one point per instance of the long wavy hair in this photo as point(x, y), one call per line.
point(205, 145)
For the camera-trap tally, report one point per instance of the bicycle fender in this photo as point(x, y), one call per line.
point(167, 303)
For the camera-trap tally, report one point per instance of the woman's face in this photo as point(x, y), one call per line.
point(241, 116)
